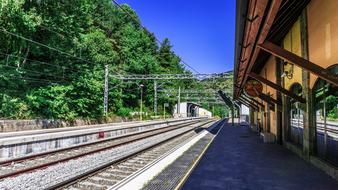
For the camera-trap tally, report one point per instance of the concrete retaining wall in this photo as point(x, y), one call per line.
point(22, 149)
point(23, 125)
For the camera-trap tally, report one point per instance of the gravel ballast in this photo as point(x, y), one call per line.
point(42, 179)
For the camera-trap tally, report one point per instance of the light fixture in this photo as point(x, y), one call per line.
point(287, 70)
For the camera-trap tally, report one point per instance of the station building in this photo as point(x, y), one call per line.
point(291, 49)
point(190, 109)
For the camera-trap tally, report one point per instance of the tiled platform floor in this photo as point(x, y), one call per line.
point(237, 159)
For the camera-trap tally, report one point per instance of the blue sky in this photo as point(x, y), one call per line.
point(202, 32)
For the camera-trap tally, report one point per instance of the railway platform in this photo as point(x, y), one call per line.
point(238, 159)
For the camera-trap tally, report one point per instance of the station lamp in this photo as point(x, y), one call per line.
point(287, 70)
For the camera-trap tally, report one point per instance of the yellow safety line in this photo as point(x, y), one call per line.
point(186, 176)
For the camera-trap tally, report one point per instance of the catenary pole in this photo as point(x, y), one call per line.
point(106, 90)
point(155, 97)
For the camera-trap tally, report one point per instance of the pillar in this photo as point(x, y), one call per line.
point(279, 115)
point(309, 125)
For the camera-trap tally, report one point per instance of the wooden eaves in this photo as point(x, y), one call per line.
point(299, 61)
point(253, 101)
point(268, 99)
point(256, 30)
point(277, 87)
point(247, 103)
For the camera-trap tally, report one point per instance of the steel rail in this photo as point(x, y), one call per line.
point(92, 172)
point(33, 168)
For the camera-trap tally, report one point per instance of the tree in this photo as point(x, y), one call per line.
point(53, 53)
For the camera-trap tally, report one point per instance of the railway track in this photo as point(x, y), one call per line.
point(24, 167)
point(30, 163)
point(107, 176)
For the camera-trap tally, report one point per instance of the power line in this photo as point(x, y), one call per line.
point(64, 71)
point(46, 46)
point(63, 68)
point(190, 66)
point(43, 45)
point(53, 31)
point(160, 42)
point(28, 79)
point(169, 76)
point(49, 29)
point(37, 72)
point(41, 62)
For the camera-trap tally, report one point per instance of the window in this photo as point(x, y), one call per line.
point(296, 117)
point(326, 113)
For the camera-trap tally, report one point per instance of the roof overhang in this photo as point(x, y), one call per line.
point(256, 22)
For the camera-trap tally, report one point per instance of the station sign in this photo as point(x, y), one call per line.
point(253, 88)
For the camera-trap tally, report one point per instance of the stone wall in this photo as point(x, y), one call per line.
point(23, 125)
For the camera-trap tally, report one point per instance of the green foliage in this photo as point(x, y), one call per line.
point(52, 102)
point(66, 80)
point(124, 112)
point(331, 107)
point(14, 108)
point(87, 96)
point(97, 48)
point(333, 114)
point(221, 111)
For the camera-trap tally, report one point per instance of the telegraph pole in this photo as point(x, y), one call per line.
point(155, 97)
point(179, 101)
point(164, 110)
point(106, 90)
point(141, 86)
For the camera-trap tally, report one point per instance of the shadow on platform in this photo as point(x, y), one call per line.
point(237, 159)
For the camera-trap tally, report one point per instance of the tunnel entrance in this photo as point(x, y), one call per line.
point(192, 110)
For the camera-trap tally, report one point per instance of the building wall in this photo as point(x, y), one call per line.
point(319, 28)
point(322, 34)
point(244, 110)
point(269, 72)
point(204, 113)
point(292, 43)
point(183, 110)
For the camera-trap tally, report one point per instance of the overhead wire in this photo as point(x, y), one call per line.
point(59, 51)
point(40, 62)
point(31, 71)
point(63, 72)
point(49, 47)
point(41, 44)
point(70, 55)
point(63, 69)
point(53, 31)
point(46, 46)
point(63, 78)
point(43, 81)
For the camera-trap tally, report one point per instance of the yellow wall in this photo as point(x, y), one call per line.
point(292, 43)
point(254, 115)
point(269, 72)
point(322, 33)
point(322, 17)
